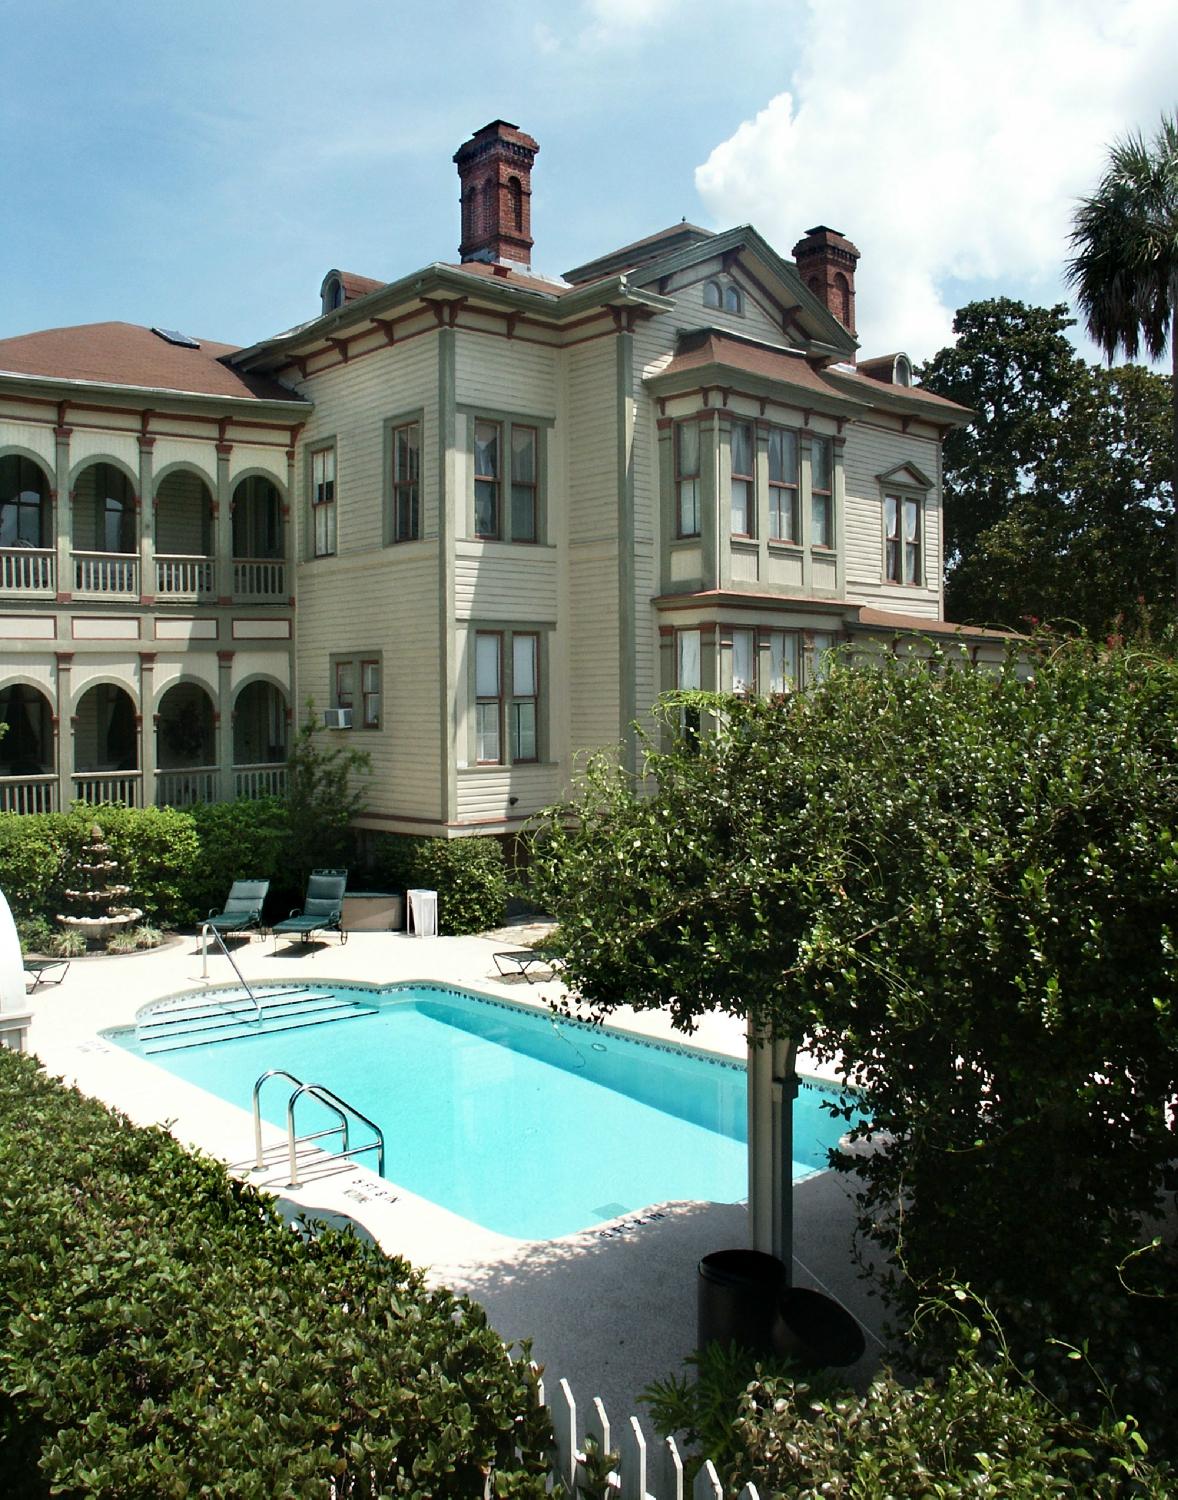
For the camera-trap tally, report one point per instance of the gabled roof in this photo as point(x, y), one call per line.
point(639, 252)
point(913, 400)
point(123, 354)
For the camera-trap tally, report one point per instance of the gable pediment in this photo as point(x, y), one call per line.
point(905, 476)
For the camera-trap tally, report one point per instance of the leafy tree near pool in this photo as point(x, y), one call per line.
point(967, 885)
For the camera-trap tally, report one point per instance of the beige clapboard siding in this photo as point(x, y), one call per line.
point(33, 436)
point(872, 451)
point(198, 454)
point(591, 488)
point(756, 322)
point(87, 447)
point(483, 793)
point(505, 374)
point(352, 403)
point(183, 522)
point(387, 604)
point(501, 581)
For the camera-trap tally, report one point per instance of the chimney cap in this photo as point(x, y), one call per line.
point(823, 237)
point(492, 132)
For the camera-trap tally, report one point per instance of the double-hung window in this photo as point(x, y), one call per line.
point(488, 698)
point(370, 693)
point(323, 502)
point(744, 661)
point(488, 479)
point(783, 662)
point(356, 686)
point(783, 485)
point(743, 480)
point(902, 539)
point(687, 478)
point(406, 482)
point(525, 696)
point(821, 492)
point(524, 484)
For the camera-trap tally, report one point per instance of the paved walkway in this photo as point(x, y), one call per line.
point(609, 1308)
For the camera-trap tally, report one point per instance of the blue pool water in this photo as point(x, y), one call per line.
point(528, 1126)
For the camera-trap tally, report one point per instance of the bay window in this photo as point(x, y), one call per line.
point(687, 477)
point(525, 694)
point(524, 477)
point(744, 658)
point(487, 478)
point(743, 481)
point(783, 485)
point(783, 662)
point(821, 492)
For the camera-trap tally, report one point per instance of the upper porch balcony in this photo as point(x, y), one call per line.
point(111, 557)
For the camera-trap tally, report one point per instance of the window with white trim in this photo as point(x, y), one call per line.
point(821, 492)
point(323, 502)
point(687, 478)
point(783, 662)
point(902, 518)
point(744, 661)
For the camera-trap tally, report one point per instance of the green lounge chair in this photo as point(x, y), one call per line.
point(243, 907)
point(322, 910)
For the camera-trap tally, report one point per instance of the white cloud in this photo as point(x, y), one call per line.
point(949, 140)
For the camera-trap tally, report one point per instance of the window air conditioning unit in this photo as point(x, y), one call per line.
point(337, 718)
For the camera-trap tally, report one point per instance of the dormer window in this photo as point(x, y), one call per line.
point(333, 294)
point(723, 295)
point(902, 374)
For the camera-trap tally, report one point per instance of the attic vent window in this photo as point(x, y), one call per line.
point(181, 340)
point(333, 294)
point(903, 374)
point(723, 295)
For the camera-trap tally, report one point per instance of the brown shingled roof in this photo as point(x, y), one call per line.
point(509, 276)
point(870, 389)
point(358, 286)
point(706, 346)
point(125, 354)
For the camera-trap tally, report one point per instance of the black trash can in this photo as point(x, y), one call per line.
point(816, 1330)
point(739, 1294)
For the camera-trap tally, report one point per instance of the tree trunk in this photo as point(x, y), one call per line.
point(1174, 428)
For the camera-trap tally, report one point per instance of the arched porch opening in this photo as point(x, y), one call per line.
point(186, 747)
point(26, 527)
point(260, 740)
point(106, 746)
point(259, 539)
point(28, 782)
point(184, 536)
point(106, 532)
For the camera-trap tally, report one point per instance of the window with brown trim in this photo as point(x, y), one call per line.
point(743, 479)
point(525, 696)
point(524, 483)
point(687, 475)
point(406, 482)
point(323, 502)
point(370, 693)
point(488, 448)
point(821, 492)
point(488, 698)
point(345, 684)
point(783, 485)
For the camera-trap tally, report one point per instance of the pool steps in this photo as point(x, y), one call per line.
point(199, 1021)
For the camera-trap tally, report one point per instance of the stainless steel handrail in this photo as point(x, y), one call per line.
point(205, 929)
point(330, 1100)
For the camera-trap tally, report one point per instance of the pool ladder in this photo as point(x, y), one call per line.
point(343, 1111)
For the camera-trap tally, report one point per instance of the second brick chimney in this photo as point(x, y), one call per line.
point(826, 260)
point(495, 169)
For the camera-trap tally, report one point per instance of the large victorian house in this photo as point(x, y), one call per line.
point(481, 518)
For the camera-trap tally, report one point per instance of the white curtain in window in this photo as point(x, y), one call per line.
point(783, 661)
point(743, 674)
point(487, 666)
point(688, 670)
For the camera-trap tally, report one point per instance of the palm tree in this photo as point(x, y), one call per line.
point(1125, 270)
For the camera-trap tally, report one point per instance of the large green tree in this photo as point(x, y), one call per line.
point(1125, 269)
point(965, 886)
point(1057, 493)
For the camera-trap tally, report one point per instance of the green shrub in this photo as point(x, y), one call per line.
point(31, 849)
point(469, 875)
point(980, 1432)
point(34, 933)
point(66, 942)
point(147, 936)
point(238, 841)
point(154, 847)
point(163, 1333)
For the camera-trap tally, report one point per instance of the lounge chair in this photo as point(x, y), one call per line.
point(243, 908)
point(523, 960)
point(43, 970)
point(322, 910)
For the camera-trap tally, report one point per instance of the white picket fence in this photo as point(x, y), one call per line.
point(644, 1471)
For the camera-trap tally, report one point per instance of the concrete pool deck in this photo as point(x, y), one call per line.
point(609, 1308)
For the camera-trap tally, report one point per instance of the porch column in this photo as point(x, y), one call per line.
point(64, 517)
point(223, 524)
point(223, 726)
point(146, 517)
point(289, 554)
point(147, 721)
point(65, 729)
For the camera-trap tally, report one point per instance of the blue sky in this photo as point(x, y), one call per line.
point(202, 165)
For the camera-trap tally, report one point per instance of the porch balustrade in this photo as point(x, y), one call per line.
point(109, 786)
point(259, 781)
point(106, 575)
point(259, 578)
point(180, 577)
point(184, 787)
point(28, 794)
point(28, 570)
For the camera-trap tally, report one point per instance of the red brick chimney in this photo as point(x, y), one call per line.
point(826, 260)
point(495, 169)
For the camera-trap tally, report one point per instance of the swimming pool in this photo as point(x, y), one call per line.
point(529, 1126)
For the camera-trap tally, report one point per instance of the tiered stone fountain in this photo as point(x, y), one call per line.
point(97, 908)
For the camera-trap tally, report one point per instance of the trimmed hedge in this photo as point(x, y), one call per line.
point(163, 1333)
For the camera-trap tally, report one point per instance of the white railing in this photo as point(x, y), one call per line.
point(259, 781)
point(108, 786)
point(184, 577)
point(644, 1470)
point(28, 570)
point(259, 578)
point(106, 574)
point(28, 794)
point(181, 788)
